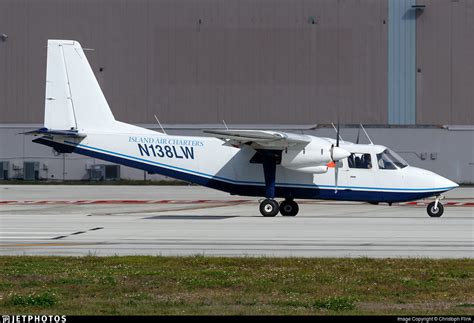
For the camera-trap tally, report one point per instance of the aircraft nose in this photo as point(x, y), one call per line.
point(445, 183)
point(339, 153)
point(426, 178)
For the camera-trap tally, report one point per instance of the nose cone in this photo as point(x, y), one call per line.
point(427, 179)
point(339, 153)
point(443, 182)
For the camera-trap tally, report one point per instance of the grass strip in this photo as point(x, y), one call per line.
point(233, 286)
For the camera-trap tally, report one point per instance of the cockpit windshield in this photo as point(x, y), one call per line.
point(389, 159)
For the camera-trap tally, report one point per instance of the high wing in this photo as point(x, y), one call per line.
point(260, 139)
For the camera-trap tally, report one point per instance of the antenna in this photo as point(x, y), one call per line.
point(157, 120)
point(366, 134)
point(337, 132)
point(225, 124)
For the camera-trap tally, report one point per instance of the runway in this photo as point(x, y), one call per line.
point(191, 220)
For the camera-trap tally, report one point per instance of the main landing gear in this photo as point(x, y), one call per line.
point(435, 209)
point(289, 208)
point(270, 207)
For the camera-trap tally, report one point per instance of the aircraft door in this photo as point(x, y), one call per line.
point(360, 170)
point(343, 174)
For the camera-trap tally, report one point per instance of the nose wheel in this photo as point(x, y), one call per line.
point(435, 209)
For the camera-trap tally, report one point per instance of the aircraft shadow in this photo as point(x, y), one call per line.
point(190, 217)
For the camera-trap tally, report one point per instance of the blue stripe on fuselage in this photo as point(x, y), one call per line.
point(247, 188)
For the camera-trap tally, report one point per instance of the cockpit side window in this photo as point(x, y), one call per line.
point(390, 160)
point(384, 162)
point(359, 160)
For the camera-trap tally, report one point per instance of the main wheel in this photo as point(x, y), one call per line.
point(435, 212)
point(269, 207)
point(289, 208)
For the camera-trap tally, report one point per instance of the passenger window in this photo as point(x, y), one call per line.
point(359, 160)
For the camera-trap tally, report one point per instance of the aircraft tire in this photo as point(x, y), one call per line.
point(435, 213)
point(289, 208)
point(269, 207)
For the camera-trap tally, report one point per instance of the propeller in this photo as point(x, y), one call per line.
point(337, 154)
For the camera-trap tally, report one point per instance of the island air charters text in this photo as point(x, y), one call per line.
point(166, 147)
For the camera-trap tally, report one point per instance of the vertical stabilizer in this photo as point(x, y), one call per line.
point(74, 100)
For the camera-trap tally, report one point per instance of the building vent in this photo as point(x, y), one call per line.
point(104, 172)
point(4, 167)
point(112, 172)
point(31, 171)
point(96, 173)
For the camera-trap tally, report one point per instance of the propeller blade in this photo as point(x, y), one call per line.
point(338, 153)
point(358, 134)
point(336, 173)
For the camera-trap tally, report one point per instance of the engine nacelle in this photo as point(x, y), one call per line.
point(316, 153)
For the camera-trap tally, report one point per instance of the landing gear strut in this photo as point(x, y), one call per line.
point(435, 209)
point(269, 207)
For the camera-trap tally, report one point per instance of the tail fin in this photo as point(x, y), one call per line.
point(74, 100)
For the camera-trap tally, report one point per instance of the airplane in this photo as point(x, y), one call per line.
point(258, 163)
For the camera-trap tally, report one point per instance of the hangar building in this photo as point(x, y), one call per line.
point(403, 68)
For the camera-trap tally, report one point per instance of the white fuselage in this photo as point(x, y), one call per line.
point(207, 161)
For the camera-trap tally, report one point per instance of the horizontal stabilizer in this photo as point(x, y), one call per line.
point(58, 133)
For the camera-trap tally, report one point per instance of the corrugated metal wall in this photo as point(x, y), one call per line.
point(401, 62)
point(445, 62)
point(249, 61)
point(203, 61)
